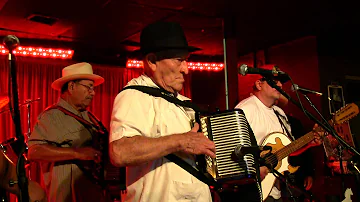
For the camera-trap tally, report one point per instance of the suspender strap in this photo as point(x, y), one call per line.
point(86, 123)
point(158, 92)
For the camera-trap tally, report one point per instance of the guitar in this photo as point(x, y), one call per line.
point(282, 147)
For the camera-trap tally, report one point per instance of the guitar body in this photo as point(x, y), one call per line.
point(277, 141)
point(282, 147)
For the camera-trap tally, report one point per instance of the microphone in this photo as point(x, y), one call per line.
point(11, 42)
point(241, 151)
point(296, 87)
point(244, 69)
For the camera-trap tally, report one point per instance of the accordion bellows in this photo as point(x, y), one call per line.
point(228, 130)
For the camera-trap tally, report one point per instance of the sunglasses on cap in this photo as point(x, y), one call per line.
point(280, 78)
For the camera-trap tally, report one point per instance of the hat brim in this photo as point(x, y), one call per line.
point(142, 52)
point(57, 84)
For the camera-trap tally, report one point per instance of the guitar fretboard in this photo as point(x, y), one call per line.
point(294, 146)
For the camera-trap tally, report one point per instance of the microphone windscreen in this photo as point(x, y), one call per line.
point(11, 42)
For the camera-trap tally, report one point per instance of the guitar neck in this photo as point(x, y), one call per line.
point(294, 146)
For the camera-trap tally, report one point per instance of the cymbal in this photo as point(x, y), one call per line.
point(4, 100)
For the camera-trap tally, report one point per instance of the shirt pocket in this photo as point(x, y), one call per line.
point(188, 192)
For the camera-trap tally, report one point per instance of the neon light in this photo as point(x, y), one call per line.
point(191, 65)
point(39, 52)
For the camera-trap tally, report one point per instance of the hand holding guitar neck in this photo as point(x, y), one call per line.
point(318, 136)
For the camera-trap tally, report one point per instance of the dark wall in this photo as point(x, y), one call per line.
point(339, 63)
point(208, 89)
point(299, 59)
point(338, 52)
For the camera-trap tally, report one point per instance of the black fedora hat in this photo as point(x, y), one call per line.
point(163, 36)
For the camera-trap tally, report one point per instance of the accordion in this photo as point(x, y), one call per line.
point(228, 130)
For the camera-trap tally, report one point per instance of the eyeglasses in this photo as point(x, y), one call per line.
point(90, 88)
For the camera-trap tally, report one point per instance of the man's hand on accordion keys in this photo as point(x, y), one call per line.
point(88, 153)
point(194, 142)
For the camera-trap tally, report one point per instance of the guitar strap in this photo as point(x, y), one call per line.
point(157, 92)
point(278, 115)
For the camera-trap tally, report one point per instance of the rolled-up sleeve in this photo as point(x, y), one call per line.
point(133, 114)
point(49, 126)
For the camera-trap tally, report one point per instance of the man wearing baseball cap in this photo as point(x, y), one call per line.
point(265, 117)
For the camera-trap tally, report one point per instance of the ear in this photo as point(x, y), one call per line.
point(150, 59)
point(258, 85)
point(71, 87)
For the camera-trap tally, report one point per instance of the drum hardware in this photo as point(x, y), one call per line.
point(9, 183)
point(27, 103)
point(11, 147)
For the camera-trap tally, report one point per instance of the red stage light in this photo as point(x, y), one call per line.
point(191, 65)
point(134, 64)
point(39, 52)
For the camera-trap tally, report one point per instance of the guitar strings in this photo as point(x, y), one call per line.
point(282, 153)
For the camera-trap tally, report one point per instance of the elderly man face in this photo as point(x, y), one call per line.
point(169, 73)
point(82, 93)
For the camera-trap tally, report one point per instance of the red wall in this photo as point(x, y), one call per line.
point(299, 59)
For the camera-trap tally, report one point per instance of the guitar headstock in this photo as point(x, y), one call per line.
point(346, 113)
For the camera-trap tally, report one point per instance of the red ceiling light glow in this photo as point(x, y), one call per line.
point(205, 66)
point(134, 64)
point(39, 52)
point(191, 65)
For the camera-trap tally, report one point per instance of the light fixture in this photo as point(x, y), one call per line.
point(134, 64)
point(205, 66)
point(39, 52)
point(191, 65)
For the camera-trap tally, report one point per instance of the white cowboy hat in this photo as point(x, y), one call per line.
point(76, 71)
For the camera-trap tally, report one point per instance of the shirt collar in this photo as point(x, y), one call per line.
point(67, 106)
point(150, 82)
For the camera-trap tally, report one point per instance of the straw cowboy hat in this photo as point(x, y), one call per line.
point(77, 71)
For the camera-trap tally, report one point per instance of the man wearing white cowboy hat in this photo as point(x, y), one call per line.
point(58, 138)
point(145, 128)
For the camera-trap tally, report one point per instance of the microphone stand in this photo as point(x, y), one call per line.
point(324, 125)
point(11, 42)
point(270, 165)
point(255, 151)
point(340, 149)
